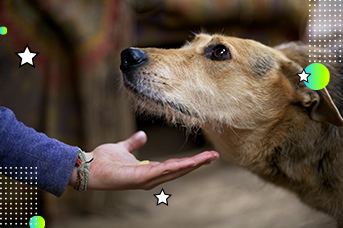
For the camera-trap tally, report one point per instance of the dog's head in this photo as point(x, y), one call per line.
point(238, 82)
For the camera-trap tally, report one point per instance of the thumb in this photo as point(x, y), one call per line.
point(136, 141)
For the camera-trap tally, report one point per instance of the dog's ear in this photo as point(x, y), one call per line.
point(319, 105)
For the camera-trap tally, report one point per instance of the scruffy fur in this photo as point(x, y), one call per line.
point(254, 110)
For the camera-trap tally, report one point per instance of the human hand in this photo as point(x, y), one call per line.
point(115, 168)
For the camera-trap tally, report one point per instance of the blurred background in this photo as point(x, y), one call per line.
point(74, 94)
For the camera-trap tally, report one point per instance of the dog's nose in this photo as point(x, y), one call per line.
point(132, 57)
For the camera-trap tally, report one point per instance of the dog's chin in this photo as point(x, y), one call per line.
point(152, 102)
point(149, 102)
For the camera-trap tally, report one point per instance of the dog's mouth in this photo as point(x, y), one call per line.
point(148, 95)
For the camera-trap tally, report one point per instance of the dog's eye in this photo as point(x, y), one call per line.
point(218, 52)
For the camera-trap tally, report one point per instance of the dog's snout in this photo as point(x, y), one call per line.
point(132, 57)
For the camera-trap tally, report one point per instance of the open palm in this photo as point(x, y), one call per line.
point(114, 167)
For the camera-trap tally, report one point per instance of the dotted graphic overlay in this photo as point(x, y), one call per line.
point(18, 200)
point(325, 31)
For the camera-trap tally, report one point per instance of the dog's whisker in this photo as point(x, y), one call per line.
point(235, 132)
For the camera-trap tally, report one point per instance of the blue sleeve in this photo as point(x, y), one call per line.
point(22, 146)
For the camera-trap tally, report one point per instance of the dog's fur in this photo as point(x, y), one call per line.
point(253, 108)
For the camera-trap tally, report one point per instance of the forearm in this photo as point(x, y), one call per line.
point(21, 146)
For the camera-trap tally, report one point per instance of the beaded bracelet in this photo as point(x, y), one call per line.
point(82, 171)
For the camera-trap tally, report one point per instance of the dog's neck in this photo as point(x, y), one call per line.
point(310, 156)
point(231, 142)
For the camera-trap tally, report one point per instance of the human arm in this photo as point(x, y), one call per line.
point(22, 146)
point(113, 166)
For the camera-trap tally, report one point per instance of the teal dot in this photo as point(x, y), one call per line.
point(3, 30)
point(37, 222)
point(319, 78)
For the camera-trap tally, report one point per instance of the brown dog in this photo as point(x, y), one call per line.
point(248, 99)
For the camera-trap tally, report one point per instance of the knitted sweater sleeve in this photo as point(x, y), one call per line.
point(22, 146)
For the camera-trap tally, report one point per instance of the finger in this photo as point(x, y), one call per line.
point(206, 156)
point(136, 141)
point(169, 177)
point(199, 158)
point(174, 165)
point(202, 159)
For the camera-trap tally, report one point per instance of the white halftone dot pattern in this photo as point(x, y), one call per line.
point(325, 30)
point(18, 200)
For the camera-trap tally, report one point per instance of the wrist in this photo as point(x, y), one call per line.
point(73, 177)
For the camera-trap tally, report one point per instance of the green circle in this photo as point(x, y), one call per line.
point(37, 222)
point(319, 76)
point(3, 30)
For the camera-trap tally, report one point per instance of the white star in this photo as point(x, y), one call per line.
point(27, 56)
point(304, 76)
point(162, 197)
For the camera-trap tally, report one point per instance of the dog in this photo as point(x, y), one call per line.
point(249, 101)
